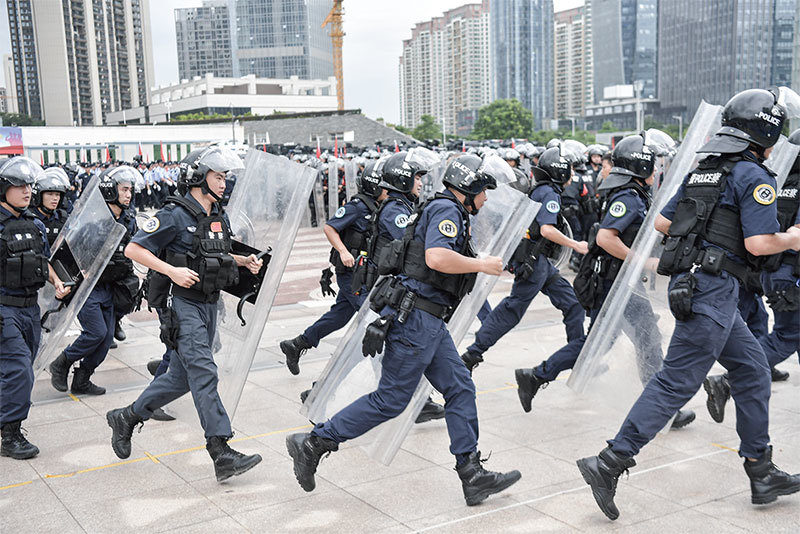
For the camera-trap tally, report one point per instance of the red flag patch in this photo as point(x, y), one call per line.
point(216, 226)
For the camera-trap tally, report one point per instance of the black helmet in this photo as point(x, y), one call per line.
point(400, 168)
point(596, 149)
point(553, 167)
point(368, 181)
point(72, 169)
point(754, 117)
point(633, 157)
point(553, 142)
point(16, 171)
point(195, 166)
point(523, 182)
point(110, 178)
point(510, 154)
point(472, 175)
point(53, 180)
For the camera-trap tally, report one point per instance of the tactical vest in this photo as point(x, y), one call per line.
point(788, 204)
point(377, 242)
point(23, 264)
point(533, 244)
point(353, 240)
point(119, 266)
point(209, 255)
point(699, 217)
point(407, 256)
point(54, 224)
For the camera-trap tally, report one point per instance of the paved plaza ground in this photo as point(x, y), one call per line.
point(690, 480)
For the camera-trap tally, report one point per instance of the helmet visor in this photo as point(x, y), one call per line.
point(659, 142)
point(20, 170)
point(790, 100)
point(422, 157)
point(498, 168)
point(221, 159)
point(56, 175)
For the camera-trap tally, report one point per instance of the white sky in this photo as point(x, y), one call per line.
point(372, 45)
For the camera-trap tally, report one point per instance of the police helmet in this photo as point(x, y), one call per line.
point(753, 117)
point(554, 166)
point(72, 169)
point(400, 168)
point(553, 142)
point(215, 158)
point(510, 154)
point(368, 182)
point(53, 180)
point(17, 171)
point(110, 178)
point(660, 142)
point(523, 182)
point(472, 175)
point(596, 150)
point(631, 158)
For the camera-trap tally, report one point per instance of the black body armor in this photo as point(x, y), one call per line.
point(23, 264)
point(119, 266)
point(355, 241)
point(54, 225)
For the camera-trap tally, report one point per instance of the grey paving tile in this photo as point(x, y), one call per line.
point(31, 499)
point(222, 524)
point(780, 516)
point(490, 516)
point(684, 521)
point(57, 522)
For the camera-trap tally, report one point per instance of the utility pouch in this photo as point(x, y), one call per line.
point(680, 298)
point(390, 258)
point(711, 260)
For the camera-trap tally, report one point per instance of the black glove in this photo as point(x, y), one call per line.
point(376, 335)
point(784, 300)
point(169, 328)
point(325, 283)
point(523, 271)
point(680, 298)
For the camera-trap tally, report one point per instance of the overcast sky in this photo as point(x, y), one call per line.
point(372, 45)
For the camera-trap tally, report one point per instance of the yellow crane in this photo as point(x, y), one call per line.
point(334, 18)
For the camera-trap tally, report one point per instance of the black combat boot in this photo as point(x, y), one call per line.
point(119, 333)
point(122, 421)
point(778, 375)
point(719, 391)
point(306, 451)
point(293, 349)
point(527, 386)
point(152, 366)
point(478, 483)
point(228, 462)
point(471, 360)
point(767, 482)
point(683, 418)
point(14, 443)
point(82, 385)
point(59, 370)
point(601, 473)
point(430, 411)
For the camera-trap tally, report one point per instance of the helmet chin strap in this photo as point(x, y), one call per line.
point(207, 190)
point(469, 201)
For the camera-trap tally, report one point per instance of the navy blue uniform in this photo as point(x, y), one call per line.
point(192, 366)
point(97, 317)
point(421, 345)
point(544, 278)
point(56, 220)
point(20, 333)
point(625, 209)
point(715, 332)
point(354, 214)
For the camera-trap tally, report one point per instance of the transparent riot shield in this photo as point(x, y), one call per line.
point(79, 255)
point(781, 159)
point(350, 175)
point(265, 212)
point(333, 188)
point(561, 254)
point(612, 368)
point(432, 180)
point(496, 231)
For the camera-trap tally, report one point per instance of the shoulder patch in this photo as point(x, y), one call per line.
point(448, 228)
point(340, 212)
point(764, 194)
point(151, 225)
point(618, 209)
point(553, 206)
point(401, 221)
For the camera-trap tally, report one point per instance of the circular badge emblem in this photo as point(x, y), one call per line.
point(151, 225)
point(617, 209)
point(401, 221)
point(764, 194)
point(448, 228)
point(340, 212)
point(553, 206)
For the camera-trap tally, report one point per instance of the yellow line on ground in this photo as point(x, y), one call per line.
point(725, 447)
point(274, 432)
point(153, 458)
point(496, 389)
point(98, 468)
point(73, 397)
point(16, 485)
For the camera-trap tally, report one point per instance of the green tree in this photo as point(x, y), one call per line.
point(428, 128)
point(503, 119)
point(19, 119)
point(608, 126)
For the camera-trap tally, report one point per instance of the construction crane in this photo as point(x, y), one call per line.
point(334, 18)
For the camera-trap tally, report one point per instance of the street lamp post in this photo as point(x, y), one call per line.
point(638, 86)
point(680, 126)
point(572, 119)
point(233, 125)
point(168, 105)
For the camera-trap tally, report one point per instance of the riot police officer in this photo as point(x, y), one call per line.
point(188, 243)
point(780, 279)
point(623, 214)
point(348, 233)
point(97, 316)
point(533, 272)
point(436, 269)
point(49, 200)
point(722, 218)
point(24, 269)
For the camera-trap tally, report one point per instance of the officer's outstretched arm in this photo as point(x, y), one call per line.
point(608, 239)
point(449, 261)
point(766, 244)
point(336, 242)
point(551, 233)
point(182, 276)
point(662, 224)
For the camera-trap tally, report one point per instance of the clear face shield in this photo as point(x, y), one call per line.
point(222, 160)
point(498, 168)
point(56, 175)
point(664, 147)
point(21, 170)
point(422, 157)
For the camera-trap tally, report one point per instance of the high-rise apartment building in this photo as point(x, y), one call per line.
point(573, 73)
point(444, 69)
point(203, 36)
point(713, 49)
point(10, 99)
point(77, 60)
point(521, 35)
point(625, 43)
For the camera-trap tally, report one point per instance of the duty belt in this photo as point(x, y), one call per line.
point(193, 294)
point(403, 300)
point(725, 264)
point(18, 302)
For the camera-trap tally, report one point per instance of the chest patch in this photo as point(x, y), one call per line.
point(216, 226)
point(448, 228)
point(618, 209)
point(764, 194)
point(401, 221)
point(191, 229)
point(553, 207)
point(340, 212)
point(151, 225)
